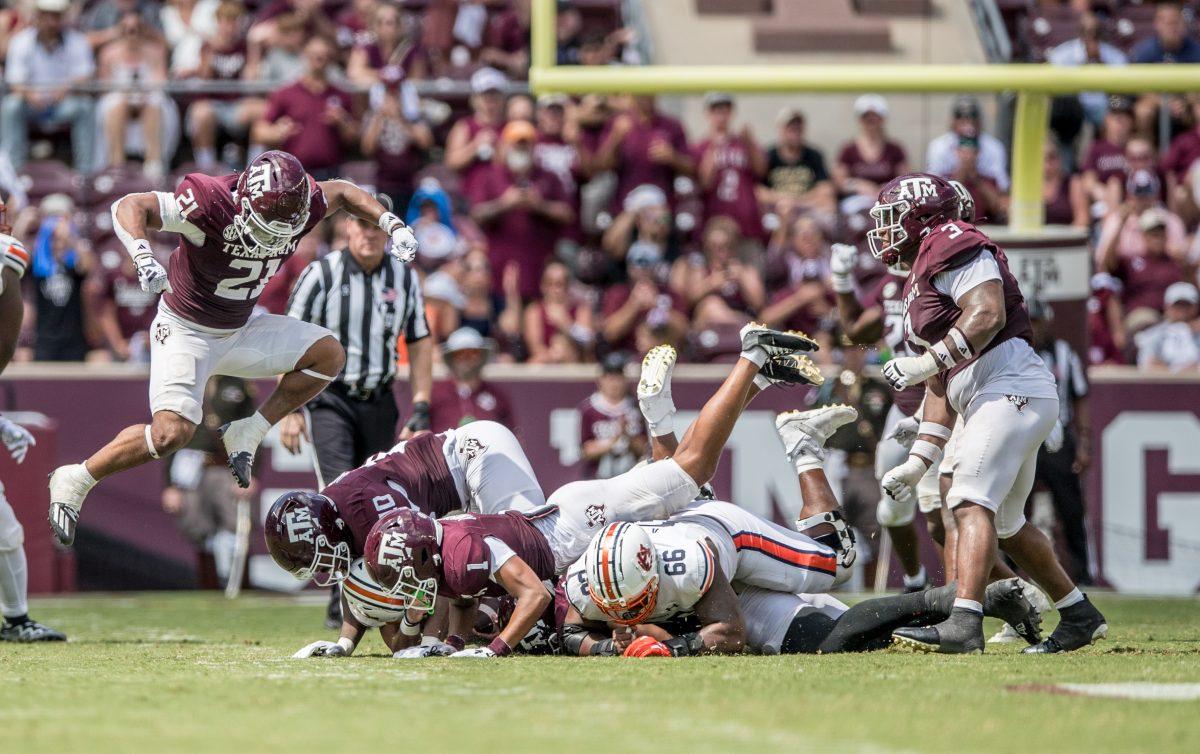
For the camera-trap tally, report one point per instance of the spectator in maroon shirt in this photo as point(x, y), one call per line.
point(645, 217)
point(558, 149)
point(396, 137)
point(1104, 167)
point(1121, 234)
point(521, 208)
point(642, 299)
point(611, 436)
point(729, 167)
point(1178, 165)
point(1106, 321)
point(720, 287)
point(643, 146)
point(466, 396)
point(1063, 198)
point(558, 328)
point(393, 41)
point(991, 205)
point(223, 58)
point(871, 159)
point(471, 143)
point(798, 265)
point(310, 118)
point(496, 317)
point(123, 311)
point(506, 40)
point(1144, 278)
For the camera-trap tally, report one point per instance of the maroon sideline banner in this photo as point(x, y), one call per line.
point(1143, 489)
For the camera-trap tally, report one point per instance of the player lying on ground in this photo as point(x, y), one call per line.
point(14, 570)
point(417, 558)
point(479, 467)
point(964, 311)
point(234, 233)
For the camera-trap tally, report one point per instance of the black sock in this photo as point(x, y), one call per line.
point(19, 620)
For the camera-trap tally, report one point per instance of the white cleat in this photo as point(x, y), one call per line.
point(654, 385)
point(241, 439)
point(69, 485)
point(809, 430)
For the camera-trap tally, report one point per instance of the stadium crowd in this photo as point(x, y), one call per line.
point(560, 229)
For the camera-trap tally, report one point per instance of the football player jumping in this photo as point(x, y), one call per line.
point(14, 572)
point(964, 311)
point(415, 558)
point(234, 234)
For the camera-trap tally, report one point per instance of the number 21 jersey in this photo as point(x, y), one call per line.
point(215, 279)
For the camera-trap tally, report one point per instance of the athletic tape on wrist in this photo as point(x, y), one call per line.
point(927, 451)
point(153, 451)
point(952, 349)
point(345, 644)
point(933, 429)
point(410, 629)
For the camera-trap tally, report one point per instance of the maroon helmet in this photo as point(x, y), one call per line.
point(908, 208)
point(403, 554)
point(272, 197)
point(307, 538)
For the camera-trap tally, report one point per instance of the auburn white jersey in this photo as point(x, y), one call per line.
point(685, 572)
point(369, 603)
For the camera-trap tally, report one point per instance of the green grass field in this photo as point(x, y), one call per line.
point(190, 673)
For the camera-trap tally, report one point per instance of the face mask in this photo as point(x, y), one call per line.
point(519, 160)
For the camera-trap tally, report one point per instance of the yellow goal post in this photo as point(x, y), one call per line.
point(1033, 83)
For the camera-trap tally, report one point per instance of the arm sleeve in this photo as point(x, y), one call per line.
point(498, 554)
point(956, 282)
point(173, 211)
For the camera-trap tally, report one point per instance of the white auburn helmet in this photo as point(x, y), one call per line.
point(370, 603)
point(621, 567)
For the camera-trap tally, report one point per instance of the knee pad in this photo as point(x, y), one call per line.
point(891, 513)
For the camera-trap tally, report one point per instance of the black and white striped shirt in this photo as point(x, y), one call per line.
point(1068, 371)
point(366, 311)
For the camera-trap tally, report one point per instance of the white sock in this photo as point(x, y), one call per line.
point(972, 605)
point(666, 426)
point(14, 583)
point(761, 382)
point(1072, 597)
point(920, 578)
point(86, 477)
point(756, 356)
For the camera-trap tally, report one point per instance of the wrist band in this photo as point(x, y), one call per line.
point(499, 647)
point(933, 429)
point(926, 451)
point(345, 644)
point(387, 220)
point(457, 642)
point(952, 349)
point(409, 629)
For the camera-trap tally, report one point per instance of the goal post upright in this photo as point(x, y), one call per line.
point(1034, 83)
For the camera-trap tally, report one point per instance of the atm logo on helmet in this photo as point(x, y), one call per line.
point(916, 188)
point(259, 180)
point(393, 550)
point(299, 525)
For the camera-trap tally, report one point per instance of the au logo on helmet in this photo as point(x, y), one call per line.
point(644, 560)
point(299, 525)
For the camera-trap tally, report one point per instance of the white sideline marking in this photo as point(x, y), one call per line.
point(1172, 692)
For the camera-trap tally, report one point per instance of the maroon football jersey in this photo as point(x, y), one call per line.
point(465, 556)
point(216, 283)
point(929, 315)
point(887, 293)
point(414, 476)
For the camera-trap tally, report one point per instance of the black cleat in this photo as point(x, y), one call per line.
point(240, 463)
point(62, 523)
point(960, 634)
point(1079, 625)
point(791, 369)
point(914, 588)
point(29, 631)
point(776, 342)
point(1006, 600)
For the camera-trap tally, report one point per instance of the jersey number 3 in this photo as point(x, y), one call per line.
point(242, 287)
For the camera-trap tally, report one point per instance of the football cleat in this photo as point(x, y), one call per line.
point(1080, 624)
point(241, 439)
point(1006, 600)
point(67, 492)
point(960, 634)
point(29, 631)
point(1041, 605)
point(801, 430)
point(654, 385)
point(775, 342)
point(791, 369)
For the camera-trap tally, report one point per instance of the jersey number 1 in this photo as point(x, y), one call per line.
point(238, 288)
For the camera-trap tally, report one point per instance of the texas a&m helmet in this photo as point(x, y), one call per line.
point(307, 538)
point(908, 208)
point(403, 554)
point(273, 197)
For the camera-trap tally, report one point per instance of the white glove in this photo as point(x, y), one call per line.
point(404, 241)
point(901, 482)
point(151, 274)
point(910, 370)
point(905, 431)
point(474, 652)
point(841, 267)
point(1054, 440)
point(321, 649)
point(433, 649)
point(16, 438)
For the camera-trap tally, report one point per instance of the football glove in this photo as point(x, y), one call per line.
point(901, 482)
point(16, 438)
point(910, 370)
point(151, 275)
point(419, 421)
point(647, 646)
point(321, 649)
point(841, 267)
point(474, 652)
point(404, 241)
point(433, 649)
point(905, 431)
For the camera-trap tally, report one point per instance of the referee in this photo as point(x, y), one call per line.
point(368, 299)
